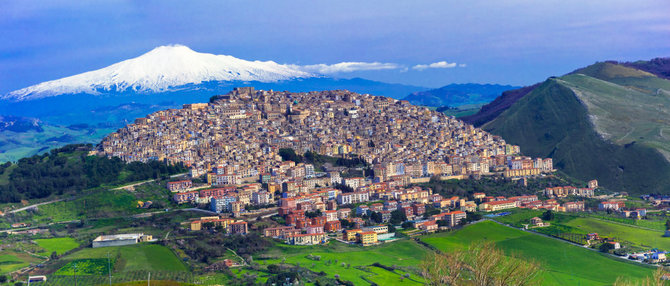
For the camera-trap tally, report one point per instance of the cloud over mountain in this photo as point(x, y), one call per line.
point(438, 65)
point(345, 67)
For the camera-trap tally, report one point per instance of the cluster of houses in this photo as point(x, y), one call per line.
point(564, 191)
point(237, 139)
point(492, 204)
point(314, 217)
point(231, 226)
point(229, 198)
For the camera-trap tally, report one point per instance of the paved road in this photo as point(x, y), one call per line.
point(67, 199)
point(199, 210)
point(144, 182)
point(39, 226)
point(32, 206)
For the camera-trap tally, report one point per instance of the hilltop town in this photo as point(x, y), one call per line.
point(245, 142)
point(240, 134)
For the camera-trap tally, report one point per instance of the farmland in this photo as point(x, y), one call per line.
point(145, 257)
point(644, 234)
point(353, 263)
point(627, 234)
point(11, 260)
point(88, 266)
point(564, 264)
point(59, 245)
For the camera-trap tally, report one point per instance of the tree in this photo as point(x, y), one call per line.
point(667, 224)
point(656, 279)
point(407, 224)
point(548, 215)
point(313, 214)
point(344, 188)
point(288, 154)
point(481, 264)
point(3, 278)
point(345, 223)
point(376, 217)
point(606, 247)
point(397, 217)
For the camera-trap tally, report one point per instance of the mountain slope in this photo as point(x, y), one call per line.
point(606, 121)
point(658, 66)
point(491, 110)
point(160, 69)
point(458, 94)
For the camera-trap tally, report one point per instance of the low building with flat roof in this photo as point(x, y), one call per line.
point(120, 239)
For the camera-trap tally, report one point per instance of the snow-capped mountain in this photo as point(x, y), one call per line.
point(159, 70)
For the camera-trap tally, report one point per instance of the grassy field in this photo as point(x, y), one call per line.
point(88, 266)
point(648, 235)
point(12, 260)
point(60, 245)
point(405, 254)
point(564, 264)
point(628, 234)
point(137, 257)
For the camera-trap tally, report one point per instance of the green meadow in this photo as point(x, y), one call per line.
point(353, 262)
point(627, 234)
point(138, 257)
point(60, 245)
point(12, 260)
point(564, 264)
point(639, 233)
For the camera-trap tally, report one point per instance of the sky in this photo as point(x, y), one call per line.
point(423, 43)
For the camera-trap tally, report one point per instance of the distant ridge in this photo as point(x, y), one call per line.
point(458, 94)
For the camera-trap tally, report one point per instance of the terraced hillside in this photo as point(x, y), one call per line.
point(606, 121)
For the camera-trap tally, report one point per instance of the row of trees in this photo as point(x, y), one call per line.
point(490, 185)
point(70, 169)
point(288, 154)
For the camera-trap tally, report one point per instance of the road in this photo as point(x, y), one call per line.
point(144, 182)
point(72, 198)
point(39, 226)
point(35, 205)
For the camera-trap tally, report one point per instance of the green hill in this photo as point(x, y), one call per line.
point(606, 121)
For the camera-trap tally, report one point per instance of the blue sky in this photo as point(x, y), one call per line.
point(508, 42)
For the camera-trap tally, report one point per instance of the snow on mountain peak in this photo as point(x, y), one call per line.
point(159, 70)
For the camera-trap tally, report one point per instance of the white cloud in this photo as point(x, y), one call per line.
point(345, 67)
point(438, 65)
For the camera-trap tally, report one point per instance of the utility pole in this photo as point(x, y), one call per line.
point(149, 280)
point(109, 269)
point(75, 274)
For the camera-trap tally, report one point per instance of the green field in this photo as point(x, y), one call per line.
point(627, 234)
point(405, 254)
point(639, 233)
point(94, 266)
point(564, 264)
point(144, 256)
point(60, 245)
point(12, 261)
